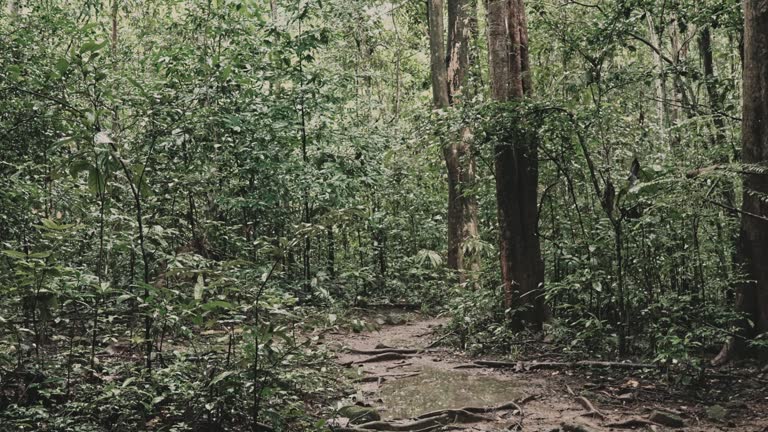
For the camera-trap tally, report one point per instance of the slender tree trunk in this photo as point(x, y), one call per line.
point(516, 166)
point(752, 247)
point(441, 100)
point(660, 82)
point(449, 75)
point(715, 100)
point(461, 20)
point(331, 251)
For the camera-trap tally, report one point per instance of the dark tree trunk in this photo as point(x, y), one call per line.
point(516, 166)
point(752, 247)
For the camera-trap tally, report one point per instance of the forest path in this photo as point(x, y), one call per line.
point(429, 380)
point(410, 384)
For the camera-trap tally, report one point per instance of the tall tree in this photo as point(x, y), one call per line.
point(752, 247)
point(449, 74)
point(516, 166)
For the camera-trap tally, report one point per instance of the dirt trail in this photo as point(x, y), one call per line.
point(428, 380)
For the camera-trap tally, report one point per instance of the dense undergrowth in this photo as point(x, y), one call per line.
point(193, 193)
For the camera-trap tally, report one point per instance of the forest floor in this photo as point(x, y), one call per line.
point(413, 380)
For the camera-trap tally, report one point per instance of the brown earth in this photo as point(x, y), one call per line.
point(412, 384)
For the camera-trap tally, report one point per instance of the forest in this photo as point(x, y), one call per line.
point(383, 215)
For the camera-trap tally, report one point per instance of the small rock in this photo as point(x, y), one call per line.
point(716, 412)
point(395, 320)
point(666, 419)
point(358, 414)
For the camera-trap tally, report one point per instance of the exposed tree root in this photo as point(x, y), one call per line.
point(591, 410)
point(382, 358)
point(631, 423)
point(523, 366)
point(437, 419)
point(356, 429)
point(384, 351)
point(384, 377)
point(468, 366)
point(438, 340)
point(399, 365)
point(417, 425)
point(727, 353)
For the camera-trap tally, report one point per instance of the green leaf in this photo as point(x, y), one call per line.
point(14, 254)
point(218, 378)
point(53, 226)
point(62, 65)
point(78, 166)
point(218, 304)
point(92, 46)
point(97, 182)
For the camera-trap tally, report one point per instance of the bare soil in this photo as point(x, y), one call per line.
point(434, 379)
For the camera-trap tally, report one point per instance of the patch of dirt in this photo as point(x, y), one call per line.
point(418, 379)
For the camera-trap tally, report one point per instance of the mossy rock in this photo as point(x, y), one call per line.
point(358, 414)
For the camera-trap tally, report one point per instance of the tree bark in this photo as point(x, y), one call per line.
point(752, 247)
point(449, 72)
point(516, 166)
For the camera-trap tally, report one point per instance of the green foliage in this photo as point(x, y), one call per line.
point(186, 201)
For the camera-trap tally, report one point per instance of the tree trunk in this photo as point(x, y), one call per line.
point(516, 166)
point(449, 74)
point(660, 82)
point(715, 100)
point(752, 248)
